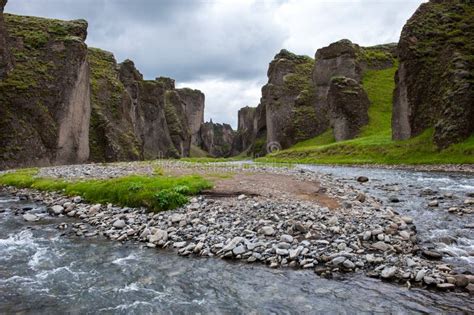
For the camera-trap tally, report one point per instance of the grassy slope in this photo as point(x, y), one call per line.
point(374, 144)
point(156, 193)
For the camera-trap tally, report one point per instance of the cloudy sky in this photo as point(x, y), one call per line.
point(223, 47)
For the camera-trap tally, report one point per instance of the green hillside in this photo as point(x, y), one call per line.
point(374, 144)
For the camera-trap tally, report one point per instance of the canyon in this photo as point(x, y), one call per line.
point(62, 102)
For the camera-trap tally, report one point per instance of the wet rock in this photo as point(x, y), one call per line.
point(469, 201)
point(461, 281)
point(433, 203)
point(57, 209)
point(160, 235)
point(432, 254)
point(362, 179)
point(393, 199)
point(348, 264)
point(30, 217)
point(239, 250)
point(420, 275)
point(445, 286)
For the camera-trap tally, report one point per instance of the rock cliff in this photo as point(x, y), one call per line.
point(62, 102)
point(45, 97)
point(288, 98)
point(348, 106)
point(295, 102)
point(246, 130)
point(193, 101)
point(435, 80)
point(217, 139)
point(5, 56)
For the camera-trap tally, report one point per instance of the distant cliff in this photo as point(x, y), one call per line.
point(435, 80)
point(304, 97)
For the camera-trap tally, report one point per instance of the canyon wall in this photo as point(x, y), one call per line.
point(435, 80)
point(63, 103)
point(44, 95)
point(304, 97)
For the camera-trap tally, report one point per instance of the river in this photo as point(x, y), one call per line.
point(45, 272)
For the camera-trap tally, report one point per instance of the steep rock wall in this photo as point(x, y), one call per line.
point(288, 98)
point(193, 101)
point(435, 80)
point(6, 61)
point(217, 139)
point(348, 106)
point(44, 108)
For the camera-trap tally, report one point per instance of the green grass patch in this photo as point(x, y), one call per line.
point(157, 193)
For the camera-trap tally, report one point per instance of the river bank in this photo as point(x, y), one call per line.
point(325, 225)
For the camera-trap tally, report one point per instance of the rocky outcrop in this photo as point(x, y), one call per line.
point(295, 101)
point(348, 105)
point(175, 111)
point(217, 139)
point(435, 80)
point(112, 133)
point(64, 103)
point(288, 98)
point(44, 99)
point(5, 56)
point(193, 101)
point(246, 130)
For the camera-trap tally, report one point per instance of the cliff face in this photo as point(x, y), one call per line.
point(435, 80)
point(5, 56)
point(297, 104)
point(288, 98)
point(134, 118)
point(217, 139)
point(45, 97)
point(63, 103)
point(112, 134)
point(193, 101)
point(348, 106)
point(246, 130)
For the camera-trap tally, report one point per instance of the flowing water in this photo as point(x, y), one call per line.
point(45, 272)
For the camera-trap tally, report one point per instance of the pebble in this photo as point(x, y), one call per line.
point(433, 203)
point(388, 272)
point(57, 209)
point(268, 230)
point(432, 254)
point(119, 224)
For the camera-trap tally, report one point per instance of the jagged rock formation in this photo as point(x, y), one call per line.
point(133, 118)
point(47, 98)
point(5, 56)
point(44, 98)
point(193, 101)
point(348, 105)
point(246, 129)
point(288, 98)
point(217, 139)
point(295, 101)
point(112, 133)
point(435, 80)
point(175, 111)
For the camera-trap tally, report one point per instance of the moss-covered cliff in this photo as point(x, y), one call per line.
point(44, 98)
point(435, 81)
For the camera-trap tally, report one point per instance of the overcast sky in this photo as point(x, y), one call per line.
point(223, 47)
